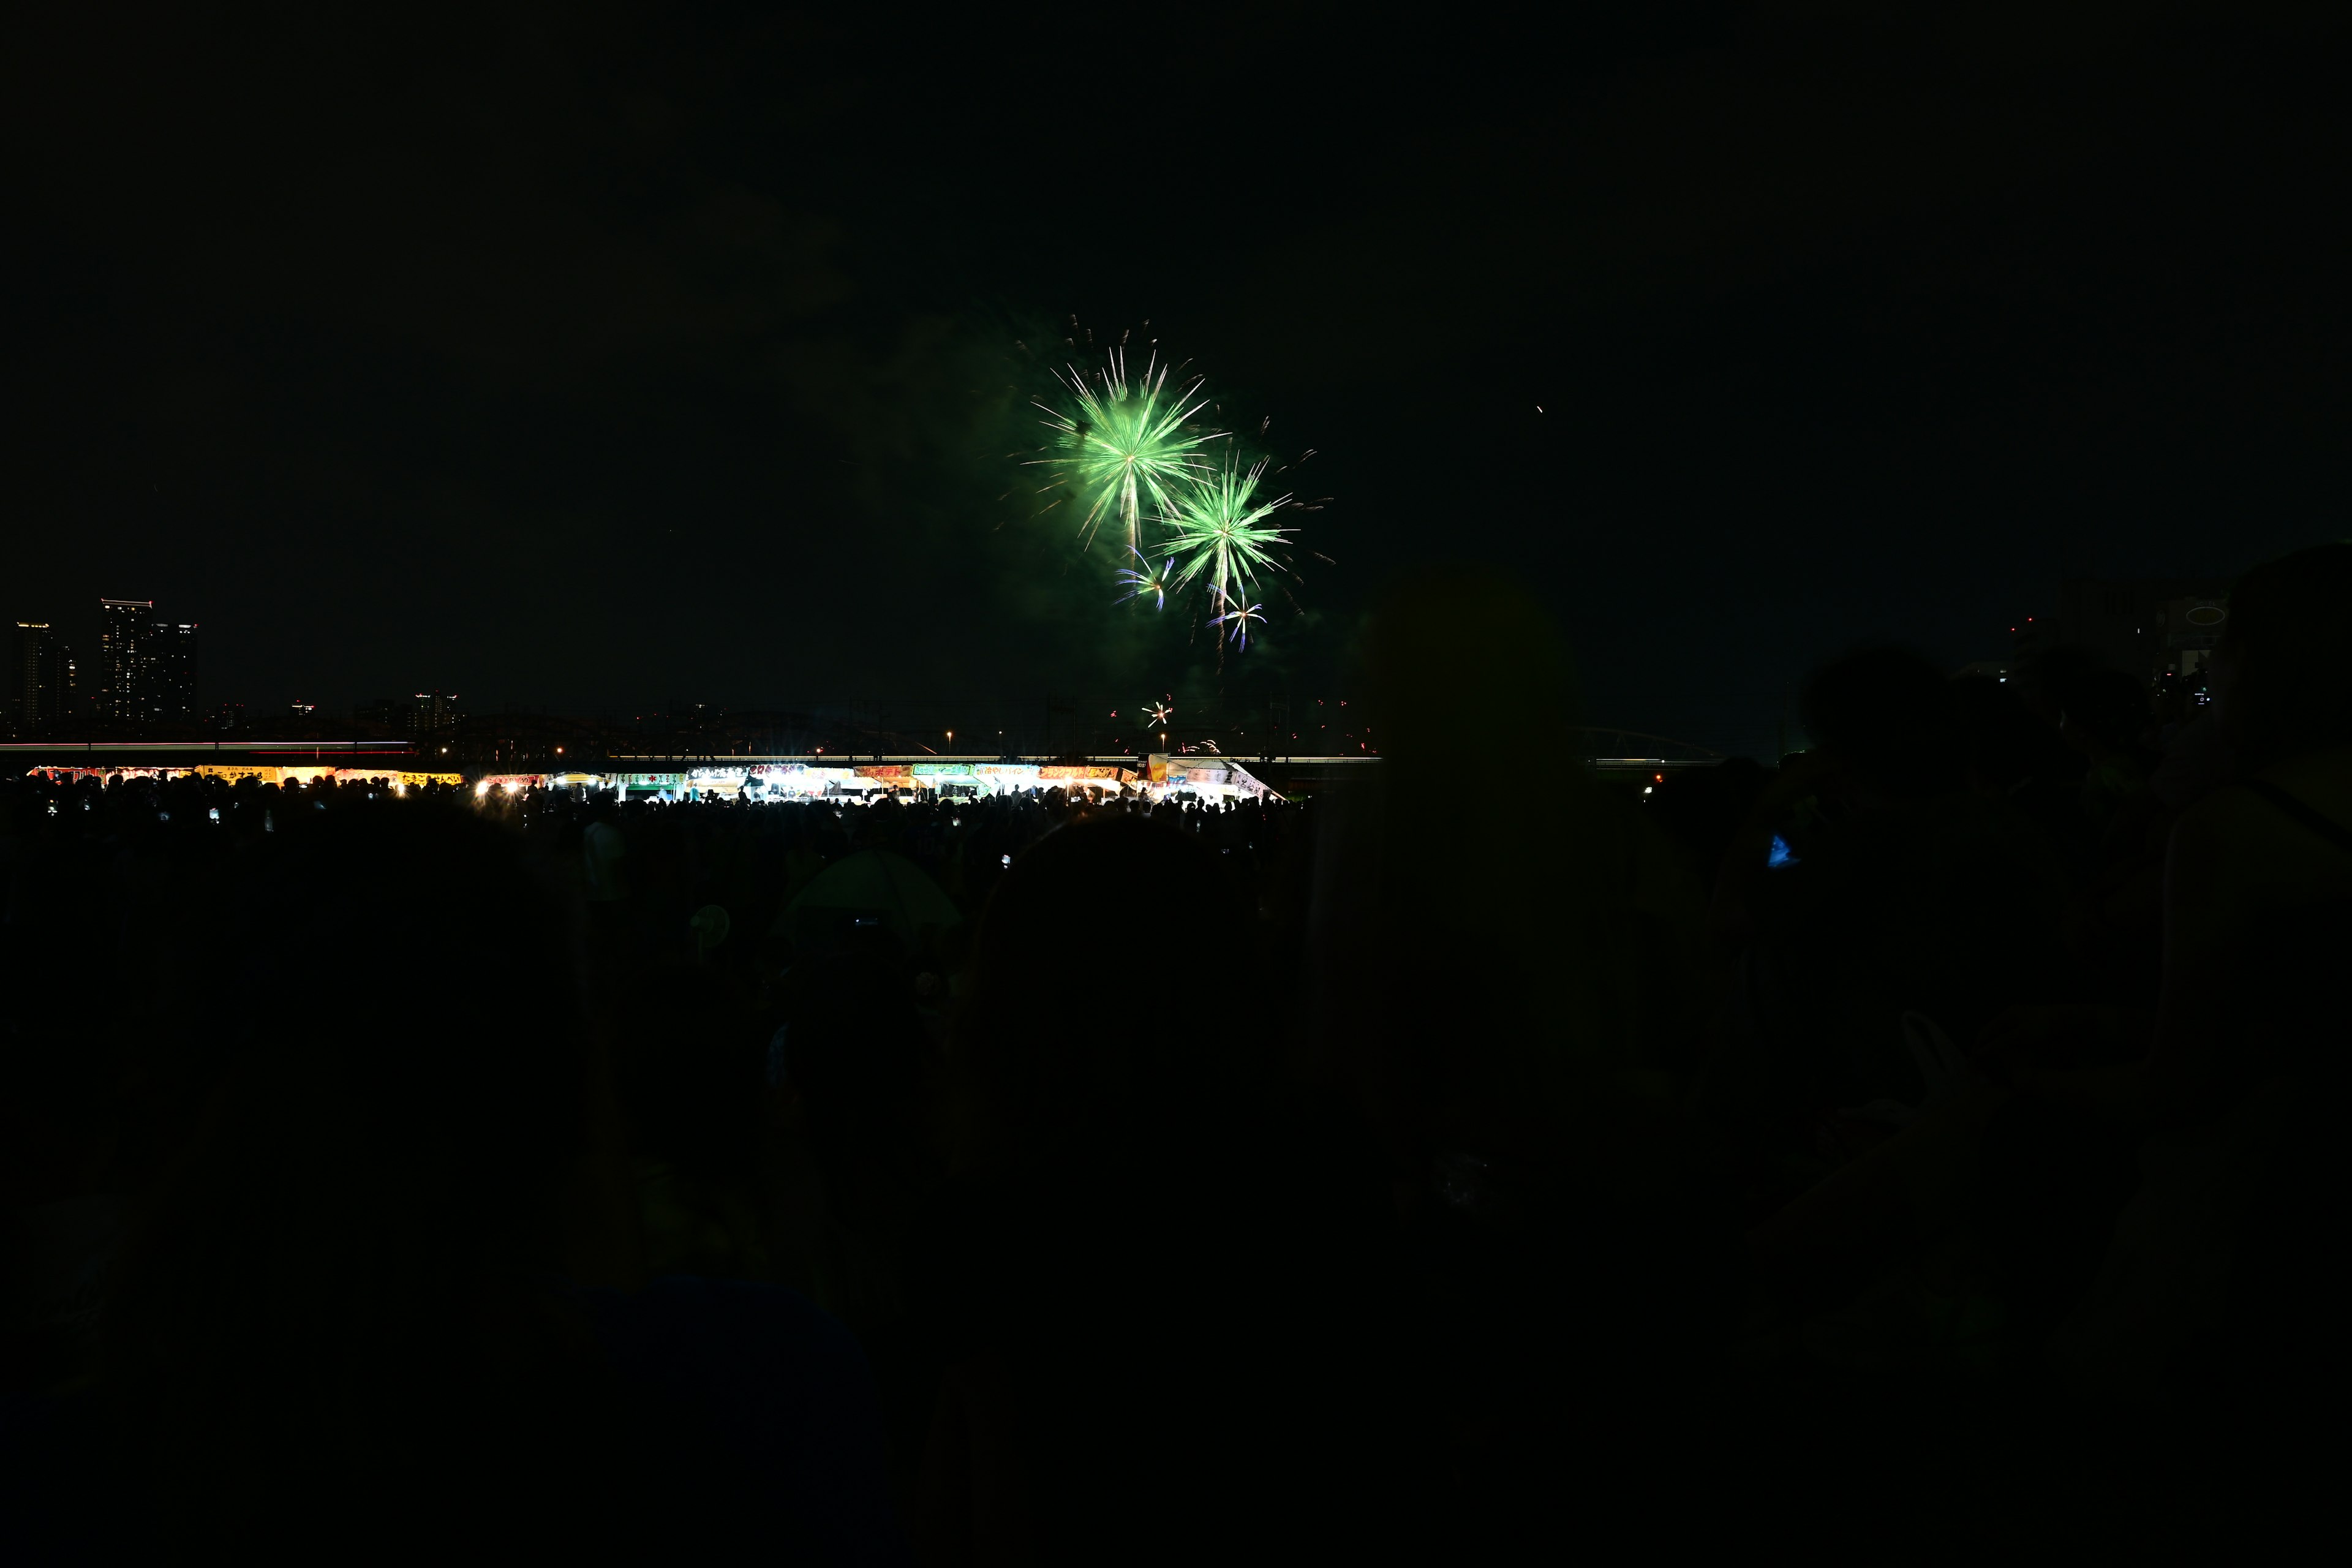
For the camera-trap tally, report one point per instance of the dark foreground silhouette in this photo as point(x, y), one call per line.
point(1931, 1144)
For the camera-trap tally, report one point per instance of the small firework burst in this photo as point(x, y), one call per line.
point(1139, 581)
point(1235, 617)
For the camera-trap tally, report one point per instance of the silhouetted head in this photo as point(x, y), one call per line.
point(2041, 680)
point(2283, 673)
point(2002, 742)
point(2103, 712)
point(1466, 658)
point(1889, 719)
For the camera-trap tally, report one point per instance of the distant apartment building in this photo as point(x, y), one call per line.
point(2149, 628)
point(40, 695)
point(2188, 627)
point(417, 717)
point(126, 659)
point(175, 665)
point(147, 666)
point(396, 715)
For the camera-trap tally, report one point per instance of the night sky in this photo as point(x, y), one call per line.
point(598, 358)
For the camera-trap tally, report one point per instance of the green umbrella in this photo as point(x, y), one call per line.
point(870, 882)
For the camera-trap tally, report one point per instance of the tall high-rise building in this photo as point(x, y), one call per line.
point(173, 666)
point(126, 660)
point(40, 695)
point(24, 676)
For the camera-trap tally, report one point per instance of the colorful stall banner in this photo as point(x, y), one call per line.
point(786, 778)
point(1222, 774)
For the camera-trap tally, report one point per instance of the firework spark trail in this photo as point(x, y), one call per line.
point(1126, 439)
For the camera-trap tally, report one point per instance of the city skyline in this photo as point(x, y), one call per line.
point(145, 672)
point(1734, 336)
point(2160, 630)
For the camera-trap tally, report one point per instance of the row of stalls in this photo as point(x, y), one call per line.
point(397, 780)
point(1162, 777)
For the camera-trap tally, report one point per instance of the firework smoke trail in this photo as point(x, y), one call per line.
point(1125, 440)
point(1147, 581)
point(1219, 527)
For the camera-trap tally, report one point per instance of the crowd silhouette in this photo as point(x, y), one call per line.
point(1938, 1133)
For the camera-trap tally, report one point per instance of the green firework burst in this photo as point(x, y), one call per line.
point(1219, 530)
point(1122, 441)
